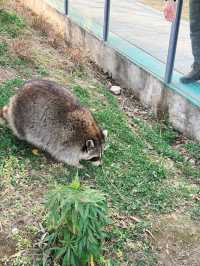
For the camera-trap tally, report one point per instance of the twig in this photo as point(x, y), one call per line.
point(147, 231)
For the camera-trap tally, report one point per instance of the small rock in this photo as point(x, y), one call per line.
point(116, 90)
point(192, 161)
point(15, 230)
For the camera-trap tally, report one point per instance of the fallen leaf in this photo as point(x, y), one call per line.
point(135, 219)
point(35, 152)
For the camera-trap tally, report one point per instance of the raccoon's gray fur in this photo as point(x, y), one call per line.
point(48, 116)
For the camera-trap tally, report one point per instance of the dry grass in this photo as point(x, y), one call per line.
point(39, 23)
point(77, 55)
point(22, 49)
point(6, 74)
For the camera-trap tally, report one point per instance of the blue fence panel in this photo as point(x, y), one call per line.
point(173, 43)
point(106, 20)
point(66, 7)
point(91, 14)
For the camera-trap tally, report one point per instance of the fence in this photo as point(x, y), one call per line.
point(172, 41)
point(140, 34)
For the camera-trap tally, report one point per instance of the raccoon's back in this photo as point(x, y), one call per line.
point(42, 106)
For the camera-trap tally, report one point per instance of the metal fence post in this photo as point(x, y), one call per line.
point(66, 7)
point(173, 43)
point(106, 20)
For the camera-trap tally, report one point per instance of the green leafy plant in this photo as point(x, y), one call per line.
point(76, 219)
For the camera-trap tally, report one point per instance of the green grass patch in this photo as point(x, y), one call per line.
point(193, 149)
point(42, 71)
point(8, 89)
point(133, 182)
point(162, 143)
point(160, 139)
point(132, 241)
point(24, 67)
point(11, 24)
point(195, 212)
point(3, 48)
point(4, 56)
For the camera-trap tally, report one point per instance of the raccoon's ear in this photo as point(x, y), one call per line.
point(105, 133)
point(89, 144)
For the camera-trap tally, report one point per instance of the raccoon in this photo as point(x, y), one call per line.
point(48, 116)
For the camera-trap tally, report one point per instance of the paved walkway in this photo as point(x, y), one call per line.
point(141, 25)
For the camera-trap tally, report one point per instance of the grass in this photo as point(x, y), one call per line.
point(195, 212)
point(193, 149)
point(162, 140)
point(142, 176)
point(11, 24)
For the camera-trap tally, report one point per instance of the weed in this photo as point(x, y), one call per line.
point(76, 218)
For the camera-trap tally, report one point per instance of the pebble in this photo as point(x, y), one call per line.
point(116, 90)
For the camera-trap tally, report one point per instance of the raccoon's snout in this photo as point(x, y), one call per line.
point(96, 161)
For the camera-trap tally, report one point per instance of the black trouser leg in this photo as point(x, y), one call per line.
point(195, 29)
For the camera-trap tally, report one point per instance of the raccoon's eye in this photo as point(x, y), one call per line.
point(84, 148)
point(90, 144)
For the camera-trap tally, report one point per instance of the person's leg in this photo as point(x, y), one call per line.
point(195, 29)
point(194, 75)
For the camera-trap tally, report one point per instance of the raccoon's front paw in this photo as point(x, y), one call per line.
point(97, 163)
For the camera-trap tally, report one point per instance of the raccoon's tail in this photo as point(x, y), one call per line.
point(2, 115)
